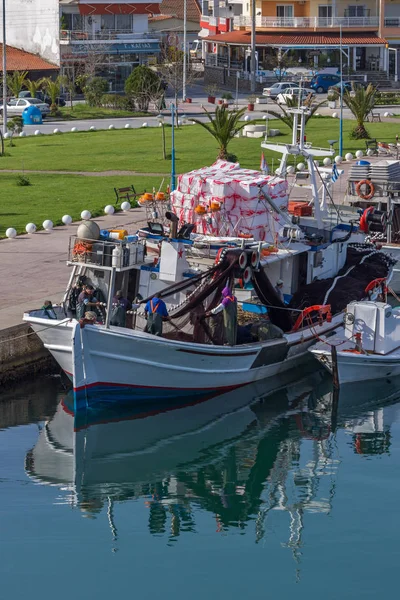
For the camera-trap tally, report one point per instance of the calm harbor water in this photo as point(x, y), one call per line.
point(250, 495)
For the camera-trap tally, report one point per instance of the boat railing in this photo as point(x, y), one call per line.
point(106, 254)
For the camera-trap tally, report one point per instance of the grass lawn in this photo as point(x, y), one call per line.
point(52, 196)
point(83, 111)
point(140, 149)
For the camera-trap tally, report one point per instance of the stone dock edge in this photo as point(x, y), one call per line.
point(22, 355)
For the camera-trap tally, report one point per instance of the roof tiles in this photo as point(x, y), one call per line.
point(297, 39)
point(19, 60)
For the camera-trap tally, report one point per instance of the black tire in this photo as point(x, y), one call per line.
point(320, 90)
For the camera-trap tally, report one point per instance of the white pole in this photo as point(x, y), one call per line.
point(237, 90)
point(253, 48)
point(184, 50)
point(4, 71)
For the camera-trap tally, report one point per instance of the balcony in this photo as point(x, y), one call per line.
point(67, 36)
point(308, 22)
point(392, 22)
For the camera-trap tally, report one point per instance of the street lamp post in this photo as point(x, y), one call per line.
point(253, 48)
point(184, 50)
point(173, 148)
point(341, 97)
point(4, 71)
point(161, 119)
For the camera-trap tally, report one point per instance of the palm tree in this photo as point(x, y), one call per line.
point(16, 81)
point(53, 89)
point(223, 126)
point(33, 85)
point(287, 117)
point(361, 102)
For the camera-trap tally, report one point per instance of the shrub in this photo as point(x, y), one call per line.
point(94, 91)
point(23, 181)
point(143, 86)
point(115, 101)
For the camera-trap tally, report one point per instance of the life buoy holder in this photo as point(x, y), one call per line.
point(370, 186)
point(374, 286)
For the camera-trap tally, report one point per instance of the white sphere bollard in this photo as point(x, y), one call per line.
point(48, 225)
point(126, 206)
point(56, 131)
point(145, 125)
point(109, 209)
point(30, 228)
point(264, 117)
point(11, 233)
point(92, 128)
point(338, 160)
point(179, 123)
point(290, 170)
point(74, 129)
point(327, 161)
point(37, 132)
point(317, 114)
point(370, 152)
point(247, 118)
point(386, 114)
point(111, 127)
point(160, 124)
point(127, 126)
point(316, 163)
point(359, 154)
point(334, 115)
point(67, 219)
point(7, 135)
point(86, 215)
point(349, 156)
point(277, 171)
point(22, 134)
point(300, 167)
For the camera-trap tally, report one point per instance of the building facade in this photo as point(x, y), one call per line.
point(308, 33)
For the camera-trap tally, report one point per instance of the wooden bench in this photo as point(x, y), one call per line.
point(126, 194)
point(374, 117)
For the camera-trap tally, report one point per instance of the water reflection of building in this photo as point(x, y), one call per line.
point(278, 454)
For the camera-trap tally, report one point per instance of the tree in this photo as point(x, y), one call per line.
point(287, 117)
point(143, 86)
point(53, 89)
point(171, 71)
point(33, 86)
point(16, 81)
point(94, 89)
point(360, 102)
point(223, 127)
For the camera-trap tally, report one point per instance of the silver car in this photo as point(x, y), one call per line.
point(279, 87)
point(16, 106)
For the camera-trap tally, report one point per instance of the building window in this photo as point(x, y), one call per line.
point(355, 11)
point(108, 21)
point(123, 22)
point(324, 11)
point(284, 11)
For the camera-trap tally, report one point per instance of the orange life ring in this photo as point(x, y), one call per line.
point(369, 185)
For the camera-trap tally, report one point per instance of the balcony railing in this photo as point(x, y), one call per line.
point(103, 35)
point(307, 22)
point(392, 22)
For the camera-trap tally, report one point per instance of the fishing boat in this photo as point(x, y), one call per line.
point(368, 347)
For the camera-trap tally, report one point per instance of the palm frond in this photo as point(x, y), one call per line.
point(223, 125)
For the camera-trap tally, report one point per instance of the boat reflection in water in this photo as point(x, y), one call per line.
point(238, 457)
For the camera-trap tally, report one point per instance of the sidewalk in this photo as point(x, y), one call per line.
point(32, 267)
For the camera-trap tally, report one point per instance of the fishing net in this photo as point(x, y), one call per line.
point(203, 293)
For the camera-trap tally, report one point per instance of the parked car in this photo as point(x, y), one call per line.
point(278, 88)
point(16, 106)
point(60, 101)
point(321, 83)
point(294, 93)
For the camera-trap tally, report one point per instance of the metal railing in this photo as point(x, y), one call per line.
point(392, 22)
point(308, 22)
point(105, 34)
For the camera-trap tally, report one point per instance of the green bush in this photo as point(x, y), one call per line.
point(23, 181)
point(143, 86)
point(115, 101)
point(94, 91)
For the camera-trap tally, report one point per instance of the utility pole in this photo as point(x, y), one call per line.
point(253, 47)
point(4, 71)
point(184, 50)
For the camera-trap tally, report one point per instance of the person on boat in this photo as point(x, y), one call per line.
point(279, 290)
point(86, 299)
point(49, 310)
point(155, 311)
point(119, 306)
point(228, 305)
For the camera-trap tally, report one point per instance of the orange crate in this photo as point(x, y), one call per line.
point(300, 209)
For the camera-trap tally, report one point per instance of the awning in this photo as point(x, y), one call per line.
point(86, 8)
point(298, 41)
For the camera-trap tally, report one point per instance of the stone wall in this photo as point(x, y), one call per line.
point(22, 355)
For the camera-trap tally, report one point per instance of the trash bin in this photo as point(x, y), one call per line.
point(31, 115)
